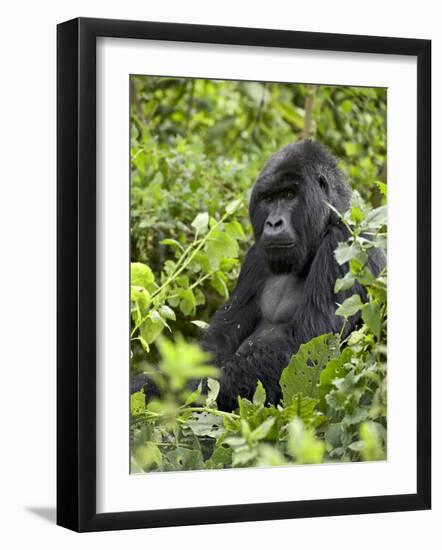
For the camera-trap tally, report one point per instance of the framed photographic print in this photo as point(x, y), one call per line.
point(231, 202)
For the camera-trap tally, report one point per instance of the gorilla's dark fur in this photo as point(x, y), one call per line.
point(284, 295)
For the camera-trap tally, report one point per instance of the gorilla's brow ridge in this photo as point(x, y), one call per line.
point(278, 180)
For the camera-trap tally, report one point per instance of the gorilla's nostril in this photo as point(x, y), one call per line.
point(275, 223)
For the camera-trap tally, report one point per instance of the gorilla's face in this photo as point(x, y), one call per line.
point(288, 206)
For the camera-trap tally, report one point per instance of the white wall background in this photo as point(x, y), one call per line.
point(27, 277)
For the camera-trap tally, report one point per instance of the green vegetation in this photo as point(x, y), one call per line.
point(196, 149)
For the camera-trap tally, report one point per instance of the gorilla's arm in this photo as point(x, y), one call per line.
point(239, 316)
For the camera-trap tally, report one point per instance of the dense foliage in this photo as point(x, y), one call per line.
point(196, 148)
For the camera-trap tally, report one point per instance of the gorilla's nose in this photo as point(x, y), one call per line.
point(274, 225)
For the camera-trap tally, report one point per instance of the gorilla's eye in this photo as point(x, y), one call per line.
point(289, 195)
point(267, 198)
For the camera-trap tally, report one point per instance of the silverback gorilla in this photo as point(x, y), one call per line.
point(284, 295)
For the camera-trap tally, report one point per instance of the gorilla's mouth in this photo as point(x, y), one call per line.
point(279, 244)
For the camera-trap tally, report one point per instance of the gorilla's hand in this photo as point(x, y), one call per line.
point(240, 375)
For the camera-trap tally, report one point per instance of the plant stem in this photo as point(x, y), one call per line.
point(215, 412)
point(196, 249)
point(200, 280)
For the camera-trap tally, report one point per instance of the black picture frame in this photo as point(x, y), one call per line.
point(76, 273)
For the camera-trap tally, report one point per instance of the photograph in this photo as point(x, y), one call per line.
point(258, 274)
point(221, 218)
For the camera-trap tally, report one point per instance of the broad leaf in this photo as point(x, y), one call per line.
point(345, 283)
point(350, 306)
point(213, 392)
point(220, 245)
point(142, 275)
point(200, 324)
point(259, 397)
point(301, 376)
point(201, 223)
point(233, 205)
point(346, 252)
point(377, 217)
point(334, 369)
point(371, 315)
point(167, 312)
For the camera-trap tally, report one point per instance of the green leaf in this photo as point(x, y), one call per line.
point(356, 337)
point(365, 276)
point(184, 459)
point(357, 446)
point(244, 456)
point(137, 403)
point(350, 306)
point(301, 406)
point(144, 344)
point(188, 302)
point(200, 324)
point(201, 223)
point(371, 434)
point(151, 329)
point(206, 425)
point(235, 230)
point(233, 205)
point(371, 315)
point(220, 458)
point(200, 299)
point(345, 283)
point(301, 376)
point(232, 424)
point(334, 369)
point(382, 187)
point(358, 415)
point(142, 275)
point(140, 295)
point(262, 430)
point(213, 392)
point(167, 312)
point(220, 245)
point(346, 252)
point(259, 397)
point(135, 468)
point(333, 436)
point(155, 317)
point(148, 455)
point(346, 106)
point(245, 428)
point(256, 91)
point(172, 242)
point(182, 362)
point(218, 282)
point(193, 396)
point(158, 179)
point(377, 217)
point(357, 215)
point(350, 149)
point(356, 200)
point(302, 444)
point(294, 115)
point(270, 456)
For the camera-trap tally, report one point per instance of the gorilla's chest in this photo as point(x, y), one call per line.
point(280, 297)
